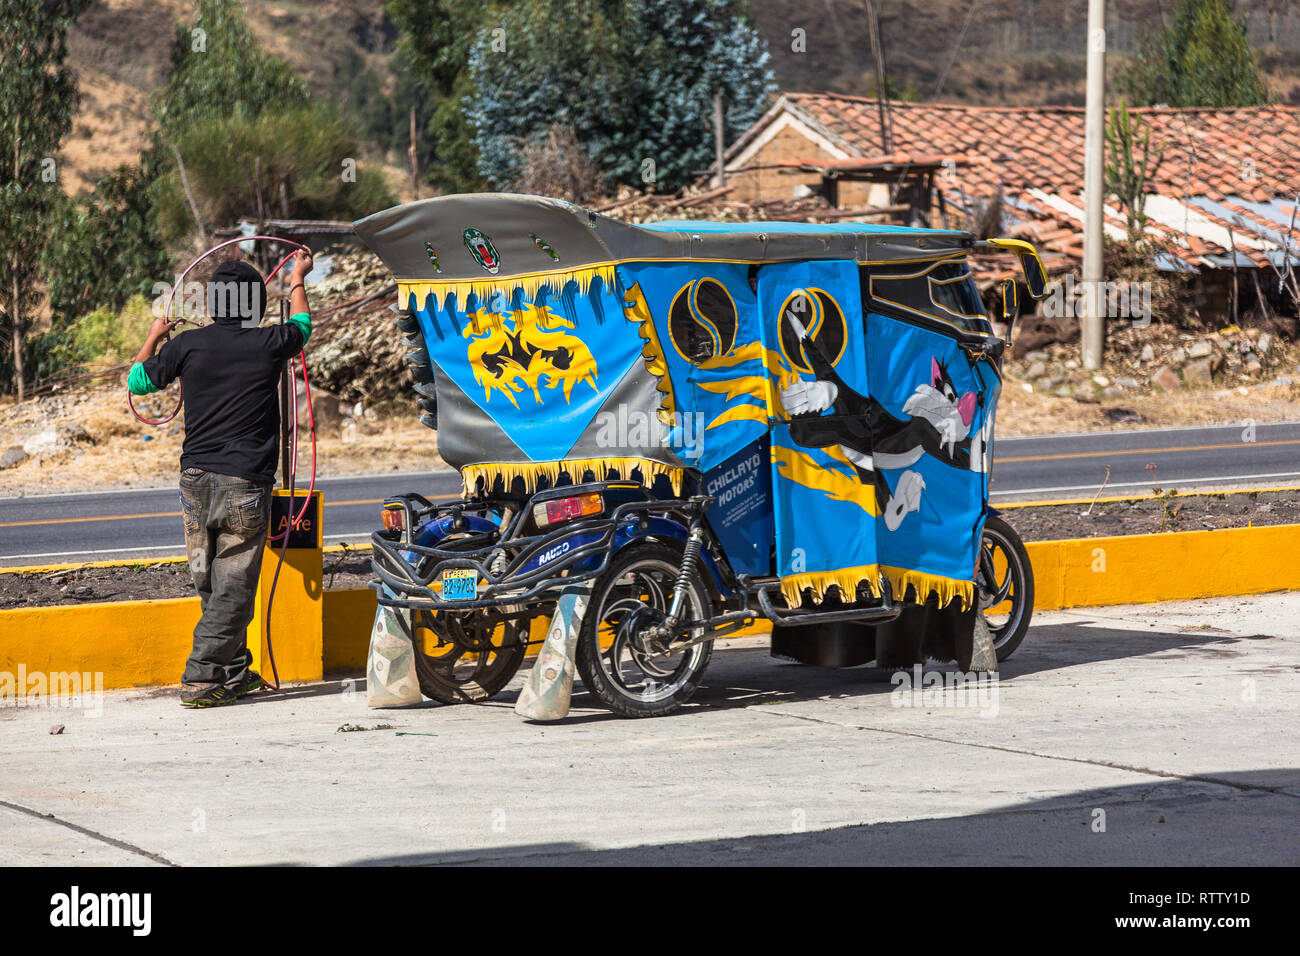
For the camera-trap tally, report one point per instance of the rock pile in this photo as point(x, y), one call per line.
point(1160, 358)
point(356, 355)
point(48, 440)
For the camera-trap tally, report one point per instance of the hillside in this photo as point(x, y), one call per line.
point(1004, 52)
point(993, 52)
point(121, 50)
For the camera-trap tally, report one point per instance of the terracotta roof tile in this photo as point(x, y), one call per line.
point(1222, 155)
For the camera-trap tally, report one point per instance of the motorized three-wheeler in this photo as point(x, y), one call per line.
point(696, 427)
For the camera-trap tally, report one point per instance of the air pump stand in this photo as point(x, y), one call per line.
point(296, 615)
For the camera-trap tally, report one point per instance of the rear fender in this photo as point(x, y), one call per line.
point(431, 532)
point(657, 526)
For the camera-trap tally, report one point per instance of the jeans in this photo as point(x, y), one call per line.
point(225, 529)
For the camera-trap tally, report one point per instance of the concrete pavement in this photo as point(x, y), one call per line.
point(1161, 734)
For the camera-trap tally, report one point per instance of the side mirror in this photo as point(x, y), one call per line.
point(1010, 299)
point(1030, 264)
point(1035, 274)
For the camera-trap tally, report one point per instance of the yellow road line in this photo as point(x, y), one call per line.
point(156, 514)
point(1147, 451)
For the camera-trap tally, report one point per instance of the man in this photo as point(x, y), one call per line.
point(231, 371)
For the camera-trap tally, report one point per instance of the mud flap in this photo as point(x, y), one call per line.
point(549, 687)
point(391, 680)
point(984, 658)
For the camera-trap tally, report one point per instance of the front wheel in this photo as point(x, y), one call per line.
point(623, 671)
point(1004, 585)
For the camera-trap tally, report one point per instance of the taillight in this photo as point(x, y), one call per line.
point(394, 517)
point(547, 513)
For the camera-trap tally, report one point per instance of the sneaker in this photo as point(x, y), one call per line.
point(250, 682)
point(211, 695)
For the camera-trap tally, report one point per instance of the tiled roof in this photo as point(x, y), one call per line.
point(1228, 177)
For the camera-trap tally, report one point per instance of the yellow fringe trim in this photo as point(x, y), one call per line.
point(529, 282)
point(900, 579)
point(530, 471)
point(638, 310)
point(945, 589)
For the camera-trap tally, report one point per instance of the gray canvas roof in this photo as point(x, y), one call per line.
point(514, 223)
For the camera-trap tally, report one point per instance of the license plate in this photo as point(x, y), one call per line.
point(459, 584)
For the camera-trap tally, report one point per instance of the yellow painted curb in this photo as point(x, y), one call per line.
point(119, 563)
point(135, 643)
point(1176, 566)
point(131, 643)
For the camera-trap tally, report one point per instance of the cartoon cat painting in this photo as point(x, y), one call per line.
point(825, 412)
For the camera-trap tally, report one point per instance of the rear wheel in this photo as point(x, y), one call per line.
point(1004, 586)
point(467, 656)
point(618, 666)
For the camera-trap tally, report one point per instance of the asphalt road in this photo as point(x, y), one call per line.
point(49, 529)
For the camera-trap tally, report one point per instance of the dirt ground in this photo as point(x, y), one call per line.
point(89, 440)
point(147, 581)
point(1247, 374)
point(344, 569)
point(1031, 413)
point(1153, 515)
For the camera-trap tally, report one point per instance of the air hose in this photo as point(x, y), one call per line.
point(301, 360)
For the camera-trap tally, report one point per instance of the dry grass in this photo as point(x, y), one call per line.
point(120, 50)
point(123, 452)
point(1026, 413)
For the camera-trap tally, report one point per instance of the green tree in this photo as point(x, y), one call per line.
point(38, 95)
point(218, 70)
point(300, 163)
point(381, 101)
point(436, 36)
point(104, 249)
point(634, 80)
point(1202, 58)
point(239, 126)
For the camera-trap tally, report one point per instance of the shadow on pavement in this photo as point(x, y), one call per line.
point(1238, 819)
point(767, 680)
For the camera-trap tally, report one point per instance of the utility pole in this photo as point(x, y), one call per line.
point(1092, 320)
point(415, 160)
point(719, 141)
point(882, 95)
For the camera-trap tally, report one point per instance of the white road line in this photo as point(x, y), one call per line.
point(1143, 484)
point(1232, 426)
point(152, 488)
